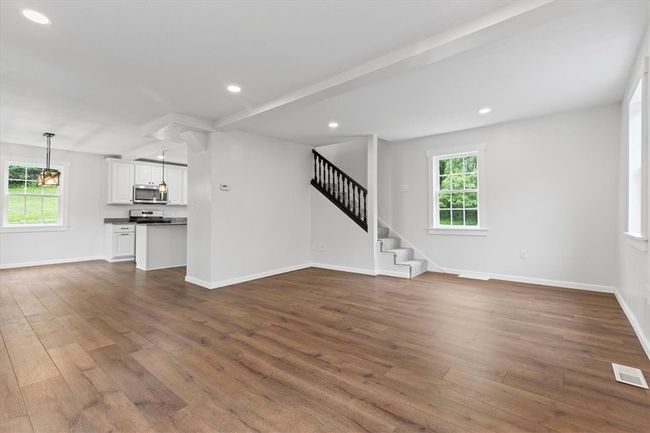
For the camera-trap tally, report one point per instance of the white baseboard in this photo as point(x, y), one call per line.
point(344, 269)
point(121, 259)
point(645, 341)
point(393, 274)
point(244, 278)
point(532, 280)
point(49, 262)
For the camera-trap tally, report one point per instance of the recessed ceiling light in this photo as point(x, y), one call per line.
point(234, 88)
point(484, 110)
point(35, 16)
point(333, 125)
point(160, 156)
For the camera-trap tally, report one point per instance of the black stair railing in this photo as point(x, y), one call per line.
point(341, 189)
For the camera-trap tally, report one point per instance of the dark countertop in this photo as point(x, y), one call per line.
point(175, 222)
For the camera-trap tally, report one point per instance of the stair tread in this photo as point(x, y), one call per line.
point(396, 250)
point(412, 262)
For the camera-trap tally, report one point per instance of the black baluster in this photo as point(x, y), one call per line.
point(315, 157)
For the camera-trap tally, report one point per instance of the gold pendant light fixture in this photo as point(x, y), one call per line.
point(49, 177)
point(162, 188)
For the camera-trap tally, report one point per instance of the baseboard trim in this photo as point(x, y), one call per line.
point(120, 259)
point(49, 262)
point(244, 278)
point(645, 341)
point(344, 269)
point(393, 274)
point(538, 281)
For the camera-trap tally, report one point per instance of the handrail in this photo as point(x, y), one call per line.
point(346, 193)
point(363, 188)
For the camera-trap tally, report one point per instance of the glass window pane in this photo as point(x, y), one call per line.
point(471, 181)
point(17, 186)
point(445, 183)
point(470, 163)
point(457, 182)
point(457, 200)
point(456, 165)
point(444, 166)
point(33, 172)
point(471, 200)
point(471, 217)
point(31, 188)
point(16, 172)
point(51, 190)
point(33, 210)
point(445, 217)
point(50, 210)
point(444, 201)
point(16, 209)
point(457, 218)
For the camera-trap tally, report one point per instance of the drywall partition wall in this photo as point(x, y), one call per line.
point(260, 221)
point(551, 186)
point(633, 284)
point(82, 240)
point(350, 156)
point(200, 193)
point(384, 180)
point(337, 242)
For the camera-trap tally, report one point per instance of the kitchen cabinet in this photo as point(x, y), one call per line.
point(174, 181)
point(146, 174)
point(123, 174)
point(120, 178)
point(119, 242)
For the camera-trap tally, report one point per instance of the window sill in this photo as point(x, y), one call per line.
point(457, 231)
point(637, 241)
point(29, 229)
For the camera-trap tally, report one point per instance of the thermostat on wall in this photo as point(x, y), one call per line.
point(224, 187)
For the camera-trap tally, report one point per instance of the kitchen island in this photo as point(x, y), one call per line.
point(161, 245)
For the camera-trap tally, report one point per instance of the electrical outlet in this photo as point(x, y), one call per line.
point(523, 255)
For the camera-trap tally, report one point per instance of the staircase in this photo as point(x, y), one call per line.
point(346, 193)
point(395, 258)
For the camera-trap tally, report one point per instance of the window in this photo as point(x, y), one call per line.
point(457, 190)
point(455, 182)
point(27, 205)
point(635, 154)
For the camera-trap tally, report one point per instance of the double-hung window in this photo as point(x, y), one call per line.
point(637, 169)
point(27, 206)
point(456, 205)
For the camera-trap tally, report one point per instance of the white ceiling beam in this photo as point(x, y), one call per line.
point(516, 17)
point(151, 149)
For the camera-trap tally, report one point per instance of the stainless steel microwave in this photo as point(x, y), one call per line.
point(148, 194)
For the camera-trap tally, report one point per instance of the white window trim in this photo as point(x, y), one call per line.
point(62, 225)
point(638, 240)
point(434, 228)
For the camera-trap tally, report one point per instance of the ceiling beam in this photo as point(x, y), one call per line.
point(516, 17)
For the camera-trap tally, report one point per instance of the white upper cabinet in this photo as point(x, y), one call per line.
point(124, 174)
point(120, 182)
point(147, 174)
point(174, 181)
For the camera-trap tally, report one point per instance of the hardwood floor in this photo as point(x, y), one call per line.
point(99, 347)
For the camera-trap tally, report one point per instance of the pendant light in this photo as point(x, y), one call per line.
point(163, 186)
point(49, 177)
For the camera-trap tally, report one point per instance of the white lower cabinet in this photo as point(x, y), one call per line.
point(119, 242)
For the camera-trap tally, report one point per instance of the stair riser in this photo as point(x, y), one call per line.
point(389, 244)
point(403, 255)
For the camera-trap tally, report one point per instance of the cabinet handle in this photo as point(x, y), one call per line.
point(124, 234)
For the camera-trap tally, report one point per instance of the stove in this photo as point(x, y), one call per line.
point(143, 216)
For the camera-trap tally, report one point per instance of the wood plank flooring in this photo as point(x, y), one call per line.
point(99, 347)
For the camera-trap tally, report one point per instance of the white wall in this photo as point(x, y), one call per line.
point(262, 224)
point(350, 156)
point(83, 239)
point(551, 190)
point(337, 241)
point(634, 262)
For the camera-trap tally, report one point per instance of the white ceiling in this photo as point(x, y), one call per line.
point(102, 69)
point(579, 60)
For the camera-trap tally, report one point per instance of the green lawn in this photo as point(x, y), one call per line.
point(42, 208)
